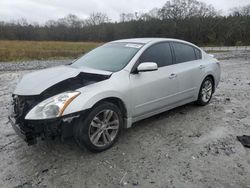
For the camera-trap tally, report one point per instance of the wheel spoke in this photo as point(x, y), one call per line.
point(204, 91)
point(113, 122)
point(107, 115)
point(209, 89)
point(204, 98)
point(107, 135)
point(97, 120)
point(205, 85)
point(96, 136)
point(208, 86)
point(104, 138)
point(94, 124)
point(113, 127)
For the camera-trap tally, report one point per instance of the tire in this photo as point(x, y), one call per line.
point(100, 128)
point(206, 91)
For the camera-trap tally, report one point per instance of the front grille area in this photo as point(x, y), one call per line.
point(22, 105)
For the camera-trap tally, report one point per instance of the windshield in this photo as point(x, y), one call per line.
point(110, 57)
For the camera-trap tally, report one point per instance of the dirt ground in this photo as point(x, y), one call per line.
point(186, 147)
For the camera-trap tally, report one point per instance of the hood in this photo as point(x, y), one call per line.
point(58, 79)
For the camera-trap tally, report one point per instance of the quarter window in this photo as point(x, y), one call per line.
point(197, 53)
point(158, 53)
point(183, 52)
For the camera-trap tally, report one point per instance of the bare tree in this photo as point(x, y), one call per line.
point(241, 11)
point(97, 19)
point(181, 9)
point(70, 20)
point(123, 17)
point(21, 22)
point(154, 13)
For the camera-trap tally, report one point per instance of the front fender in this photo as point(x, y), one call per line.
point(116, 87)
point(86, 101)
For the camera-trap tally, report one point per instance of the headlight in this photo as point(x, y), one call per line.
point(53, 106)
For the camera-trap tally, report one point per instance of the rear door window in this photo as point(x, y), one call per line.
point(159, 53)
point(183, 52)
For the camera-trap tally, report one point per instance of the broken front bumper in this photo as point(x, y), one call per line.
point(25, 133)
point(30, 130)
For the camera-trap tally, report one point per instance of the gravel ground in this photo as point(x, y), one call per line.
point(189, 146)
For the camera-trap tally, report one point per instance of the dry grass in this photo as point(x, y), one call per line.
point(42, 50)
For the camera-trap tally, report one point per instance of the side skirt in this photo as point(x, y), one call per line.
point(130, 121)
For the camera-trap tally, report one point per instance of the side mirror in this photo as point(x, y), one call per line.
point(147, 66)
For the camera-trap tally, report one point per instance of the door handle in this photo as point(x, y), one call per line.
point(173, 75)
point(202, 66)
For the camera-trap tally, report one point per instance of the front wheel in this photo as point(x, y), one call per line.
point(206, 91)
point(100, 129)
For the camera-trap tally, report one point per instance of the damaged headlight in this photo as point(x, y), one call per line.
point(53, 106)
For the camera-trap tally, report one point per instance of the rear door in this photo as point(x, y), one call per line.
point(190, 69)
point(153, 90)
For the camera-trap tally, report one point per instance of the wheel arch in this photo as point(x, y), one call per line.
point(117, 101)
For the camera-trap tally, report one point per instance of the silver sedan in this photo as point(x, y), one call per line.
point(110, 88)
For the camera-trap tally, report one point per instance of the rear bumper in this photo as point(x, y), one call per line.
point(218, 74)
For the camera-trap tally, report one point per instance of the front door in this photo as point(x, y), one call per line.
point(153, 90)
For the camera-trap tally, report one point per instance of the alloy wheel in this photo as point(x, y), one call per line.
point(104, 128)
point(207, 90)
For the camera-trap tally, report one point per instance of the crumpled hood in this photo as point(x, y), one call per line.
point(37, 82)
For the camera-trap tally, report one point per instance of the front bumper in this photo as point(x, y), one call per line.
point(31, 130)
point(26, 134)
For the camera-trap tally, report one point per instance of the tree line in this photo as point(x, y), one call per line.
point(190, 20)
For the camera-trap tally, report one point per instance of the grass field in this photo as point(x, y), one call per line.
point(43, 50)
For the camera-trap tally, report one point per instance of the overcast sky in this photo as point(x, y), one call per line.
point(43, 10)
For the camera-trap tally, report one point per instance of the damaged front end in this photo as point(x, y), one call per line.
point(61, 126)
point(30, 130)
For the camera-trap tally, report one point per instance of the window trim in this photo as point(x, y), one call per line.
point(137, 63)
point(196, 58)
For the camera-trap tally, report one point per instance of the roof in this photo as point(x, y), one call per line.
point(149, 40)
point(145, 40)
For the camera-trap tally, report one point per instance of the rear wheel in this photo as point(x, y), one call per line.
point(100, 129)
point(206, 91)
